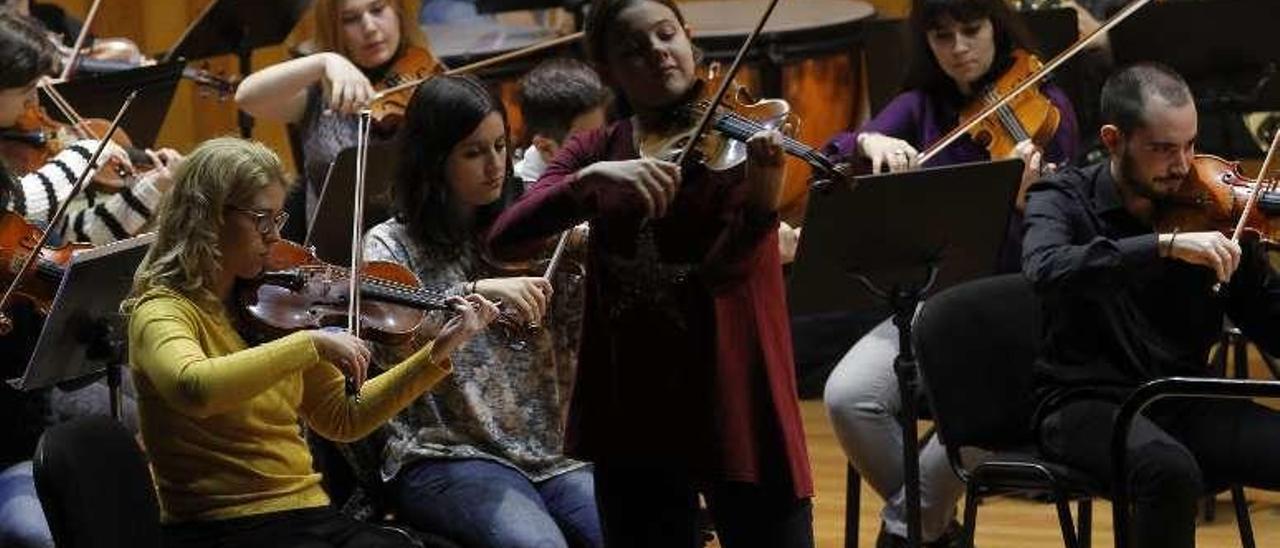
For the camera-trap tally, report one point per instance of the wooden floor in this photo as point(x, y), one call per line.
point(1002, 523)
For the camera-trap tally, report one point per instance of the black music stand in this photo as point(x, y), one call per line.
point(84, 332)
point(101, 95)
point(238, 27)
point(330, 234)
point(897, 238)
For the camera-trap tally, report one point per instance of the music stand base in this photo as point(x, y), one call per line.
point(904, 299)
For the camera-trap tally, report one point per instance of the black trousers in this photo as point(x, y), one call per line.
point(658, 508)
point(1177, 452)
point(321, 527)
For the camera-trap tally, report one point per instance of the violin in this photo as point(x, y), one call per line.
point(37, 137)
point(299, 291)
point(1028, 116)
point(18, 240)
point(414, 64)
point(1018, 81)
point(736, 118)
point(1215, 196)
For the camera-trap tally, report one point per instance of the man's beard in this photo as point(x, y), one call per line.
point(1146, 188)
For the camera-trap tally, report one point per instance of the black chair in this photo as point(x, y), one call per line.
point(95, 487)
point(976, 343)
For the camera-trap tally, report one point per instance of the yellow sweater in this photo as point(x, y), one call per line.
point(222, 421)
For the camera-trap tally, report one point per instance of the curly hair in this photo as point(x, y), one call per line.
point(185, 256)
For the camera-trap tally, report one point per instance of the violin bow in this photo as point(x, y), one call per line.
point(1257, 188)
point(1032, 80)
point(6, 324)
point(357, 236)
point(495, 60)
point(557, 254)
point(84, 33)
point(704, 121)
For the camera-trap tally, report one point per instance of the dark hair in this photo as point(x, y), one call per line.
point(25, 54)
point(557, 91)
point(598, 28)
point(1124, 96)
point(25, 51)
point(443, 111)
point(1008, 30)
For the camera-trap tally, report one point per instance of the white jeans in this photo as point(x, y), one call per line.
point(863, 402)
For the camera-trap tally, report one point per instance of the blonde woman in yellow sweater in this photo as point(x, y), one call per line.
point(221, 419)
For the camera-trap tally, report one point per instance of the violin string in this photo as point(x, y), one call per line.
point(387, 289)
point(745, 128)
point(1008, 119)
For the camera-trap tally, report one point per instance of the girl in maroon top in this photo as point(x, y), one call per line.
point(685, 382)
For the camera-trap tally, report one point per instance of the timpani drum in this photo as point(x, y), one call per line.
point(808, 54)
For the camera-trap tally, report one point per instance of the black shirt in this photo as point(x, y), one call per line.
point(1117, 314)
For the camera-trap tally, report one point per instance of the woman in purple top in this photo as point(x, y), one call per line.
point(961, 46)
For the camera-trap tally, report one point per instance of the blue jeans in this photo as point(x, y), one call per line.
point(481, 503)
point(22, 523)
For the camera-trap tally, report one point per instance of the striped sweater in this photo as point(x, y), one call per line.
point(94, 217)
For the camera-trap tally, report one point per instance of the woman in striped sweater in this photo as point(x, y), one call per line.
point(26, 55)
point(97, 218)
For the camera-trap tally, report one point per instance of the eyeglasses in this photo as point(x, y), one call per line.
point(264, 221)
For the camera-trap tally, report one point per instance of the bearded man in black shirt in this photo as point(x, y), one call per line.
point(1126, 303)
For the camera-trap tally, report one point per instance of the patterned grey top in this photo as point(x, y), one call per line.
point(323, 137)
point(502, 402)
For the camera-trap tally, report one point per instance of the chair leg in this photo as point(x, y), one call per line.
point(1067, 524)
point(1242, 517)
point(1084, 522)
point(970, 512)
point(852, 506)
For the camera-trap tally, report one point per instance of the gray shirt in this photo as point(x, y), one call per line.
point(507, 396)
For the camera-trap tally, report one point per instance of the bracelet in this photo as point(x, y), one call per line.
point(1168, 247)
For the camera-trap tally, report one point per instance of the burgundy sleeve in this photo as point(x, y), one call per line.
point(558, 201)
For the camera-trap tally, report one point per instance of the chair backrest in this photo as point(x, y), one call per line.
point(976, 343)
point(95, 486)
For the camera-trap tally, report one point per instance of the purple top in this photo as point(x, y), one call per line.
point(921, 119)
